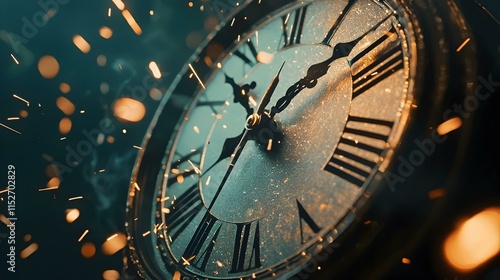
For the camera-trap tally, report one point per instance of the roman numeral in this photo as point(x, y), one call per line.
point(248, 53)
point(246, 254)
point(350, 160)
point(306, 218)
point(293, 27)
point(389, 60)
point(183, 211)
point(199, 239)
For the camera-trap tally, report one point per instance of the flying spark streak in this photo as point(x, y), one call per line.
point(232, 22)
point(136, 186)
point(112, 236)
point(109, 12)
point(62, 138)
point(463, 44)
point(3, 191)
point(13, 118)
point(165, 198)
point(14, 58)
point(196, 169)
point(22, 99)
point(137, 147)
point(48, 189)
point(186, 262)
point(131, 22)
point(102, 170)
point(146, 233)
point(208, 180)
point(165, 210)
point(83, 235)
point(119, 4)
point(75, 198)
point(196, 75)
point(257, 37)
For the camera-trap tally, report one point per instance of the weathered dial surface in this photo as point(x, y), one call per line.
point(338, 129)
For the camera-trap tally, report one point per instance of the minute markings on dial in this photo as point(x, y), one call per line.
point(349, 160)
point(389, 60)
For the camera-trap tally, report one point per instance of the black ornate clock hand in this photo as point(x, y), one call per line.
point(318, 70)
point(241, 93)
point(252, 122)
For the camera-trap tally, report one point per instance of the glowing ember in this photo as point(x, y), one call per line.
point(264, 57)
point(111, 275)
point(101, 61)
point(449, 126)
point(115, 244)
point(81, 43)
point(72, 215)
point(105, 32)
point(88, 250)
point(406, 261)
point(129, 110)
point(65, 125)
point(155, 70)
point(65, 105)
point(14, 58)
point(28, 251)
point(131, 21)
point(48, 66)
point(64, 88)
point(119, 4)
point(83, 235)
point(474, 241)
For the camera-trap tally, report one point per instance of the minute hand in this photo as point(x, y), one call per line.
point(318, 70)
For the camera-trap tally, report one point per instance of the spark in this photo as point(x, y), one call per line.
point(83, 235)
point(286, 19)
point(3, 191)
point(137, 147)
point(208, 180)
point(13, 118)
point(146, 233)
point(75, 198)
point(196, 169)
point(196, 75)
point(119, 4)
point(102, 170)
point(136, 186)
point(62, 138)
point(112, 236)
point(269, 144)
point(14, 58)
point(109, 12)
point(82, 111)
point(239, 37)
point(155, 70)
point(48, 189)
point(22, 99)
point(186, 262)
point(463, 44)
point(232, 22)
point(196, 129)
point(165, 199)
point(257, 37)
point(165, 210)
point(131, 21)
point(406, 261)
point(28, 251)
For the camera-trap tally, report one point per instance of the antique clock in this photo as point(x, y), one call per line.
point(292, 128)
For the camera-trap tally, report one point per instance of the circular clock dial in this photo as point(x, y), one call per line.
point(239, 203)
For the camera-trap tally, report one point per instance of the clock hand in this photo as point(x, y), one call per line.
point(241, 93)
point(252, 121)
point(318, 70)
point(338, 22)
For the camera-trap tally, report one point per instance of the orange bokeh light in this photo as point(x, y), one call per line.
point(129, 110)
point(48, 66)
point(474, 241)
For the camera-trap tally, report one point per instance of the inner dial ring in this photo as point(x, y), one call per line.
point(276, 205)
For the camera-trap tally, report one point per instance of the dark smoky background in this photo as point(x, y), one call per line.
point(80, 82)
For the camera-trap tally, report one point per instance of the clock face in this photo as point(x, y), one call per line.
point(337, 112)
